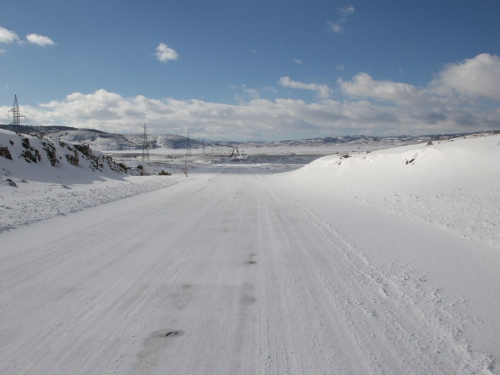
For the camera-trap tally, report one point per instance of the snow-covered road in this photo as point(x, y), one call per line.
point(222, 273)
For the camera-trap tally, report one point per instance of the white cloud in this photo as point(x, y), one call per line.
point(363, 85)
point(39, 40)
point(2, 51)
point(164, 53)
point(256, 119)
point(297, 61)
point(347, 10)
point(7, 36)
point(476, 77)
point(340, 67)
point(323, 91)
point(368, 106)
point(335, 27)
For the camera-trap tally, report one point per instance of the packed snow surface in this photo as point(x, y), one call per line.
point(377, 263)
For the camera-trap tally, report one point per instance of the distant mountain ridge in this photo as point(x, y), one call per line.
point(102, 141)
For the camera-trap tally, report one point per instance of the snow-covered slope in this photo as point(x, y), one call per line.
point(41, 159)
point(452, 184)
point(100, 141)
point(107, 141)
point(425, 220)
point(41, 178)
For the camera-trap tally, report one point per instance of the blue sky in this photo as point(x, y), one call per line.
point(238, 69)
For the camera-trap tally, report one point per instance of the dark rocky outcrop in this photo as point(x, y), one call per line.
point(4, 151)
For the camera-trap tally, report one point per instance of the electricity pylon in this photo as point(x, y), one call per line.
point(16, 114)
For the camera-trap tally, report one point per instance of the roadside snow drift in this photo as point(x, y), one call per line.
point(454, 184)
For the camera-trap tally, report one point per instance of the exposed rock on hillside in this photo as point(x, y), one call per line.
point(39, 150)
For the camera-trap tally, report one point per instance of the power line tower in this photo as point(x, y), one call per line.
point(16, 114)
point(145, 145)
point(188, 153)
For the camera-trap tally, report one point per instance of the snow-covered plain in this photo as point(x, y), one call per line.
point(350, 265)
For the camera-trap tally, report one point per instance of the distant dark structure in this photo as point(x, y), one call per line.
point(145, 146)
point(16, 114)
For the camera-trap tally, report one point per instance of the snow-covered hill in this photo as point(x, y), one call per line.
point(41, 178)
point(110, 142)
point(102, 141)
point(43, 159)
point(452, 184)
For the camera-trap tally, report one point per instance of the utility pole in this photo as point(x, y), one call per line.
point(203, 149)
point(188, 153)
point(145, 146)
point(16, 114)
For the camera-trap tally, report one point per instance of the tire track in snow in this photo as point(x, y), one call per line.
point(423, 343)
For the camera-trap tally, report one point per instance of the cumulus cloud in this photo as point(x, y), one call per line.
point(297, 61)
point(471, 79)
point(257, 119)
point(7, 36)
point(39, 40)
point(365, 105)
point(323, 91)
point(363, 85)
point(475, 77)
point(165, 53)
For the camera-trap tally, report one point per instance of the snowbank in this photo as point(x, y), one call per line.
point(454, 185)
